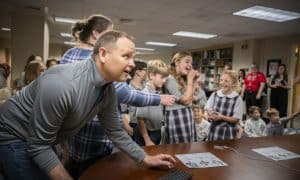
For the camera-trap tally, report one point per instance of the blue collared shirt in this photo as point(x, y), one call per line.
point(91, 141)
point(75, 54)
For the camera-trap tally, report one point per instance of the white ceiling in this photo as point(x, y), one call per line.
point(157, 20)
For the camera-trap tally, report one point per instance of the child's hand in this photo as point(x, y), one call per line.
point(129, 130)
point(218, 117)
point(149, 143)
point(191, 76)
point(213, 115)
point(205, 116)
point(295, 114)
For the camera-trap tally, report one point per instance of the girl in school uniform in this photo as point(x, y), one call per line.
point(179, 124)
point(224, 108)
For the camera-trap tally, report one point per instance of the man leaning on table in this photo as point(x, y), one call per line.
point(57, 104)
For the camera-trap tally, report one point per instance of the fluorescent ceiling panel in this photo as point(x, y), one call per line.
point(71, 43)
point(65, 20)
point(160, 44)
point(5, 29)
point(144, 49)
point(66, 34)
point(269, 14)
point(194, 35)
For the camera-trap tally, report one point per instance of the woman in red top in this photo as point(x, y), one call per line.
point(253, 87)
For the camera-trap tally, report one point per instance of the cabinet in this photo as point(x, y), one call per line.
point(212, 62)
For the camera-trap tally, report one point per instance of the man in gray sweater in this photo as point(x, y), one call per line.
point(57, 104)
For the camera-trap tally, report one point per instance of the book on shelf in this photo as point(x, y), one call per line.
point(212, 63)
point(204, 54)
point(218, 54)
point(219, 70)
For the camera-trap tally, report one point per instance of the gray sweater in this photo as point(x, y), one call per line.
point(152, 115)
point(56, 105)
point(171, 87)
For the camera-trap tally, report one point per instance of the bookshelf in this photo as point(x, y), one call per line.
point(212, 62)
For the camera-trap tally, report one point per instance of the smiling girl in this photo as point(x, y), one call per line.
point(179, 123)
point(224, 108)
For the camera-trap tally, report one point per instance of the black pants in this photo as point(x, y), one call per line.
point(134, 128)
point(155, 136)
point(279, 100)
point(251, 100)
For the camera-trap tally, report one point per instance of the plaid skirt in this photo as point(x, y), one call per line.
point(222, 131)
point(180, 126)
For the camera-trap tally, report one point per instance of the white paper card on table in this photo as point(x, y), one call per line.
point(200, 160)
point(276, 153)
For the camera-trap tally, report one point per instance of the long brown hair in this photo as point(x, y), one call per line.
point(82, 30)
point(5, 70)
point(172, 69)
point(31, 71)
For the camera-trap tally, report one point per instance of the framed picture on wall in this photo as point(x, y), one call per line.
point(272, 66)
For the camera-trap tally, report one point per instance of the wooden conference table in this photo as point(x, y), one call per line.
point(120, 166)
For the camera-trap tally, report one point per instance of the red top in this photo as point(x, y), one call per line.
point(253, 80)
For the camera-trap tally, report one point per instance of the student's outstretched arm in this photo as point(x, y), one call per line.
point(126, 95)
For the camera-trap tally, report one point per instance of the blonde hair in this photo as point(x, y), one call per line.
point(5, 93)
point(157, 66)
point(172, 69)
point(235, 79)
point(272, 111)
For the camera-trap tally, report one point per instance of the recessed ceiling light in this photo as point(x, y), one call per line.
point(269, 14)
point(5, 29)
point(160, 44)
point(143, 53)
point(65, 20)
point(66, 34)
point(194, 35)
point(71, 43)
point(144, 49)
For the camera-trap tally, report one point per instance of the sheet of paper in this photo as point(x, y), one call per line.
point(200, 160)
point(276, 153)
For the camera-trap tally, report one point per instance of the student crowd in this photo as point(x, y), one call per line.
point(101, 99)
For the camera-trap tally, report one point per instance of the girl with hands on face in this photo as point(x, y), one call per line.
point(179, 123)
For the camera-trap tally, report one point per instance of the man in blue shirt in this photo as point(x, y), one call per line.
point(91, 142)
point(57, 104)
